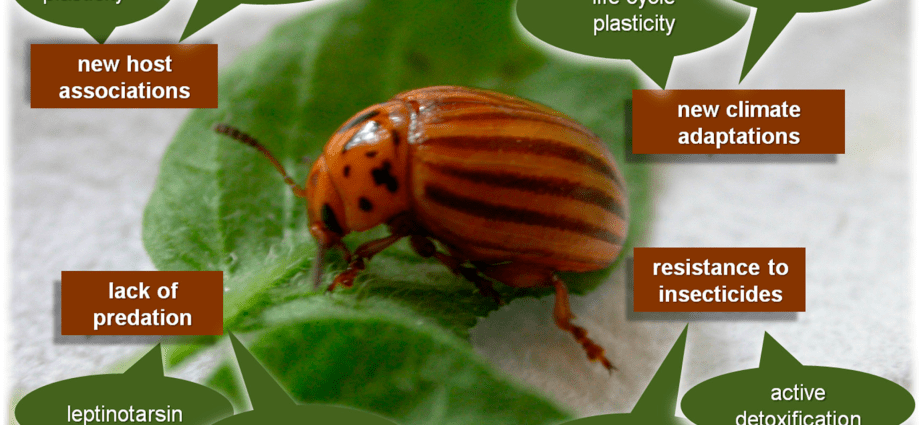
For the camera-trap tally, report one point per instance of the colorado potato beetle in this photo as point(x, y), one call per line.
point(513, 190)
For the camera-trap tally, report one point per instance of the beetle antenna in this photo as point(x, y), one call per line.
point(242, 137)
point(318, 266)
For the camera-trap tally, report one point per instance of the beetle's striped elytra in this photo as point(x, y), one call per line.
point(513, 190)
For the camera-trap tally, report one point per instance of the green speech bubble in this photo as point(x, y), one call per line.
point(271, 404)
point(141, 394)
point(773, 15)
point(658, 402)
point(207, 11)
point(782, 389)
point(666, 30)
point(98, 17)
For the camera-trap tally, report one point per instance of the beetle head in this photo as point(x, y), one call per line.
point(360, 180)
point(325, 211)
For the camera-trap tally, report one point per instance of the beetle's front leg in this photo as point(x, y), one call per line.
point(400, 226)
point(360, 257)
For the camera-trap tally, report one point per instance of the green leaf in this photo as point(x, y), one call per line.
point(378, 356)
point(219, 205)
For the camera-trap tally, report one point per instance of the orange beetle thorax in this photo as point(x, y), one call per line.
point(365, 164)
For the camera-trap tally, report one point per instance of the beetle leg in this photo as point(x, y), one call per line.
point(527, 276)
point(425, 248)
point(359, 259)
point(347, 277)
point(563, 315)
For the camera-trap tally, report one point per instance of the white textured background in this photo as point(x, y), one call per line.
point(82, 177)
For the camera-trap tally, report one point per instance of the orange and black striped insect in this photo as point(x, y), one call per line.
point(513, 190)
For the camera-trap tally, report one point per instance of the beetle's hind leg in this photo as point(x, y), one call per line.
point(526, 276)
point(518, 275)
point(563, 315)
point(425, 248)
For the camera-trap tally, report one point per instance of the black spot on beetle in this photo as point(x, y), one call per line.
point(365, 204)
point(329, 220)
point(395, 136)
point(370, 154)
point(346, 171)
point(313, 178)
point(383, 176)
